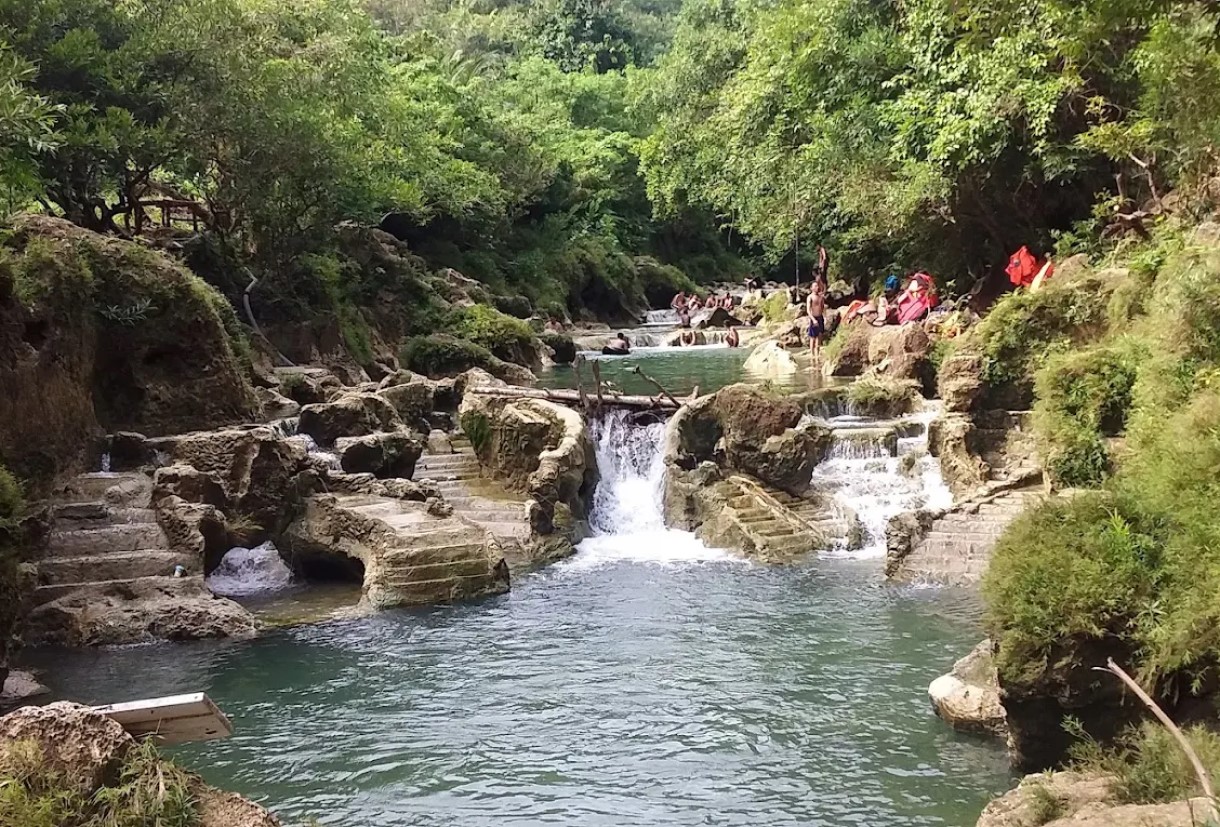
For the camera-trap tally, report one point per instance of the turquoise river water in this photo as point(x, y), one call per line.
point(648, 681)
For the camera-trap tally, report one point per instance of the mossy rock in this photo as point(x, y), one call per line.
point(562, 345)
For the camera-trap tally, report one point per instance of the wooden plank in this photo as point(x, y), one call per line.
point(177, 719)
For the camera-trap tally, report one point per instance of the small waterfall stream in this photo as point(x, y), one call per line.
point(627, 520)
point(249, 571)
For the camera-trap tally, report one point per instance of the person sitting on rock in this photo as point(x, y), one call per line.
point(679, 302)
point(727, 303)
point(815, 309)
point(684, 318)
point(732, 339)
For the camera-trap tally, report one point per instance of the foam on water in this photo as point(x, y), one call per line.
point(872, 483)
point(249, 571)
point(626, 519)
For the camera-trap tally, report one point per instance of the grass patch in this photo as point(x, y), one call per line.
point(881, 397)
point(149, 792)
point(775, 308)
point(1044, 804)
point(1148, 765)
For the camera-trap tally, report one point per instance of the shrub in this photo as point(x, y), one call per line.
point(775, 307)
point(1148, 765)
point(1083, 396)
point(444, 355)
point(507, 338)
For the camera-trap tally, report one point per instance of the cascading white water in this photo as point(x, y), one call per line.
point(627, 521)
point(872, 478)
point(250, 571)
point(329, 458)
point(662, 317)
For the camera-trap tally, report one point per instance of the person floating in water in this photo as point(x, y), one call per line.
point(618, 346)
point(732, 340)
point(815, 309)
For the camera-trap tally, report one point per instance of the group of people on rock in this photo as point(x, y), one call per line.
point(895, 305)
point(693, 304)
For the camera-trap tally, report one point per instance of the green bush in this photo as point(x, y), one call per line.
point(507, 338)
point(444, 355)
point(881, 397)
point(1083, 396)
point(775, 307)
point(1148, 765)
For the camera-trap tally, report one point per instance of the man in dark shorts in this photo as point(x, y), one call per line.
point(815, 309)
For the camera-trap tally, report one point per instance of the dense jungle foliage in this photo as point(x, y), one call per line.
point(538, 146)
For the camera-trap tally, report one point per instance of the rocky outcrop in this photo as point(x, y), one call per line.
point(769, 359)
point(414, 397)
point(540, 449)
point(1074, 799)
point(894, 351)
point(968, 698)
point(410, 553)
point(382, 455)
point(743, 429)
point(738, 467)
point(70, 752)
point(112, 337)
point(111, 575)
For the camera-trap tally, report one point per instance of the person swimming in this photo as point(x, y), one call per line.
point(618, 346)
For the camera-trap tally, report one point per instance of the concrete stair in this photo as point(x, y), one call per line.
point(482, 501)
point(105, 534)
point(957, 548)
point(775, 524)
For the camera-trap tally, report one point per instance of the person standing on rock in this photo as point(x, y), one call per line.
point(815, 309)
point(732, 340)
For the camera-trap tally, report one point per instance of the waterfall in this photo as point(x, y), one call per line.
point(879, 473)
point(627, 520)
point(660, 317)
point(249, 571)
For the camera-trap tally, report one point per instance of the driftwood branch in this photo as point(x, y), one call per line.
point(636, 370)
point(576, 398)
point(1205, 782)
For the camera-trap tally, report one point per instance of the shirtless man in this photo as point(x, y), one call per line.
point(815, 309)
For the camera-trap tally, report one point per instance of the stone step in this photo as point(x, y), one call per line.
point(514, 530)
point(440, 591)
point(494, 515)
point(448, 461)
point(470, 501)
point(776, 529)
point(473, 567)
point(116, 538)
point(443, 554)
point(45, 594)
point(75, 516)
point(88, 487)
point(120, 566)
point(965, 536)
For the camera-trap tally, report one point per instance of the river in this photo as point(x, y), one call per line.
point(647, 681)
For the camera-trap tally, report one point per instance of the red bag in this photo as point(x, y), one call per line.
point(1022, 268)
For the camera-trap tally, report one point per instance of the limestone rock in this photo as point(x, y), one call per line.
point(276, 406)
point(719, 317)
point(410, 556)
point(308, 385)
point(382, 455)
point(901, 535)
point(414, 401)
point(84, 748)
point(1067, 793)
point(19, 687)
point(902, 352)
point(138, 611)
point(851, 357)
point(256, 468)
point(961, 381)
point(353, 414)
point(949, 440)
point(968, 698)
point(221, 809)
point(769, 359)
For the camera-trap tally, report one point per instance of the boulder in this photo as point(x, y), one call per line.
point(960, 381)
point(414, 401)
point(19, 687)
point(968, 698)
point(276, 406)
point(902, 533)
point(771, 360)
point(138, 611)
point(902, 352)
point(1048, 794)
point(382, 455)
point(849, 356)
point(308, 385)
point(84, 749)
point(719, 317)
point(353, 414)
point(83, 753)
point(130, 451)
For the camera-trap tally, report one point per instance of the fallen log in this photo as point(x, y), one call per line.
point(572, 397)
